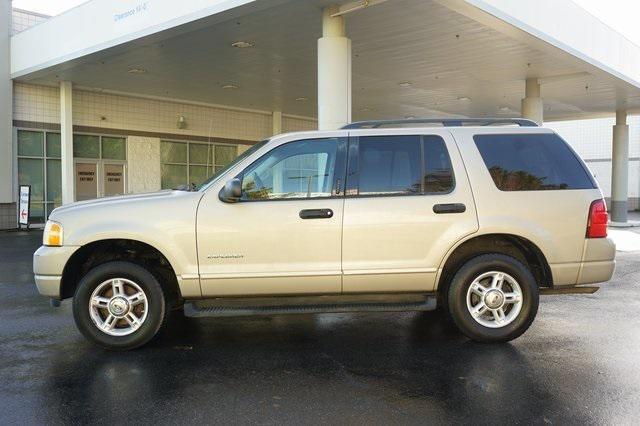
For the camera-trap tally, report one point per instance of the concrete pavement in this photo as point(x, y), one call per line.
point(579, 363)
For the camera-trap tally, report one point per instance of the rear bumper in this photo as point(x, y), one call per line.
point(596, 272)
point(598, 261)
point(597, 265)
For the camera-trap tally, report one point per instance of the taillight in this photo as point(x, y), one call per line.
point(598, 218)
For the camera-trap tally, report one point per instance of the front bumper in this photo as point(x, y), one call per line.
point(49, 285)
point(48, 265)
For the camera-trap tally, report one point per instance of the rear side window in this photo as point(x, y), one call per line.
point(533, 162)
point(402, 165)
point(389, 165)
point(438, 173)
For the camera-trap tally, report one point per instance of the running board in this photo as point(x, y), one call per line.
point(569, 290)
point(198, 310)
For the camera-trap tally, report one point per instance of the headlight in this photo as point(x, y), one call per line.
point(53, 234)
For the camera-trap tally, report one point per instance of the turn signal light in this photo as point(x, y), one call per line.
point(52, 235)
point(598, 218)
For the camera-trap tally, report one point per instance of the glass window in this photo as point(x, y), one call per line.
point(222, 169)
point(31, 172)
point(173, 175)
point(173, 152)
point(114, 148)
point(30, 144)
point(224, 155)
point(389, 165)
point(86, 146)
point(54, 181)
point(198, 174)
point(199, 163)
point(302, 169)
point(438, 173)
point(533, 162)
point(53, 145)
point(42, 173)
point(199, 153)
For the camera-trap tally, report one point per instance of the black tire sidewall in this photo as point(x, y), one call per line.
point(458, 297)
point(155, 302)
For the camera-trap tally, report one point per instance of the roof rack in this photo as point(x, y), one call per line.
point(446, 122)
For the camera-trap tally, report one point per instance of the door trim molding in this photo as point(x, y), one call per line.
point(389, 271)
point(269, 275)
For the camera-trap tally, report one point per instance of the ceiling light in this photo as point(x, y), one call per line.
point(242, 44)
point(504, 108)
point(365, 109)
point(137, 71)
point(464, 98)
point(230, 86)
point(404, 84)
point(302, 99)
point(409, 117)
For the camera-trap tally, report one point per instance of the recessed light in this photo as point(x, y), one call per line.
point(136, 71)
point(302, 99)
point(409, 117)
point(405, 84)
point(242, 44)
point(464, 98)
point(365, 109)
point(230, 86)
point(504, 108)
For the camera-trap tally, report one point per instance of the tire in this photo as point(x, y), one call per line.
point(488, 325)
point(128, 322)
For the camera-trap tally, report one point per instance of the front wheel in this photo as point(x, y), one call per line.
point(119, 305)
point(493, 298)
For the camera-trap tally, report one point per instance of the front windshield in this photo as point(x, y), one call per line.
point(239, 158)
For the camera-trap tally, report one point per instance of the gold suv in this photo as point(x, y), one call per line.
point(478, 217)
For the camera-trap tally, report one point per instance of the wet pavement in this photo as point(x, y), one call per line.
point(579, 363)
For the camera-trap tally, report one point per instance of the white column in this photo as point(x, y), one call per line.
point(277, 122)
point(66, 141)
point(7, 192)
point(334, 72)
point(620, 168)
point(532, 105)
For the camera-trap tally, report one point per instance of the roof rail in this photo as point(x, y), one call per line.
point(446, 122)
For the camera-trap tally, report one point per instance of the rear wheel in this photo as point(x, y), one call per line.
point(119, 306)
point(493, 298)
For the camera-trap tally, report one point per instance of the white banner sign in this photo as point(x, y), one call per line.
point(25, 198)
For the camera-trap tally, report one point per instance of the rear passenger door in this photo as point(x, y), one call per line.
point(408, 201)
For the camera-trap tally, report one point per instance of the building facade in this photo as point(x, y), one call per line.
point(142, 96)
point(124, 144)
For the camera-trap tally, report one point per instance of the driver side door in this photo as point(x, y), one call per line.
point(284, 235)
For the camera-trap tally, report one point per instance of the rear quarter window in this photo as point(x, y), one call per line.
point(532, 162)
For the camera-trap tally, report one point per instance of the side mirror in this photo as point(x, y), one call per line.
point(232, 191)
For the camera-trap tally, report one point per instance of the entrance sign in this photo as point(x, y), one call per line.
point(25, 202)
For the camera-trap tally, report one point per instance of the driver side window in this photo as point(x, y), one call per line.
point(295, 170)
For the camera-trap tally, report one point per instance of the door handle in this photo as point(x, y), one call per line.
point(316, 214)
point(449, 208)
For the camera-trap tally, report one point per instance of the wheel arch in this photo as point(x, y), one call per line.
point(512, 245)
point(102, 251)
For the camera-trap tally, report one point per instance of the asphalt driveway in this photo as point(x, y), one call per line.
point(579, 363)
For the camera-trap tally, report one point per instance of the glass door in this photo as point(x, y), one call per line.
point(113, 179)
point(86, 181)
